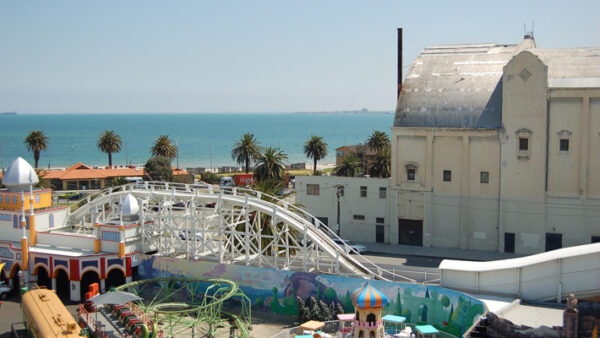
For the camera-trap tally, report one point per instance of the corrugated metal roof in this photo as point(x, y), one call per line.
point(455, 86)
point(460, 86)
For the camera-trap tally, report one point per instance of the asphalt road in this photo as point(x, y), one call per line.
point(417, 268)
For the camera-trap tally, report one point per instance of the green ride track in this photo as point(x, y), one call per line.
point(187, 306)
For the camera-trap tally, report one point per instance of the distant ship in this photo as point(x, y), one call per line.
point(9, 113)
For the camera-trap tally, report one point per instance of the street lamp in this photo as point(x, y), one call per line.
point(339, 192)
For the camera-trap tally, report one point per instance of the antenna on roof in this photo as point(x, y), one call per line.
point(526, 34)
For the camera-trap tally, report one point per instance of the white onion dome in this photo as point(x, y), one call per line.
point(19, 176)
point(130, 205)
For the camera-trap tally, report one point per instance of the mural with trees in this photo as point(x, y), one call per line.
point(320, 297)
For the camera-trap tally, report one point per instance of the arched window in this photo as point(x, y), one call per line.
point(361, 334)
point(372, 335)
point(371, 318)
point(357, 316)
point(15, 221)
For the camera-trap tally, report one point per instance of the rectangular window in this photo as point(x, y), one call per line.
point(324, 220)
point(379, 220)
point(359, 217)
point(447, 176)
point(71, 185)
point(312, 189)
point(595, 239)
point(382, 193)
point(363, 191)
point(410, 174)
point(339, 153)
point(484, 177)
point(564, 144)
point(523, 144)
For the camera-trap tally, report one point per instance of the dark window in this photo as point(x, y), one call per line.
point(523, 143)
point(341, 189)
point(564, 144)
point(379, 220)
point(595, 239)
point(447, 175)
point(359, 217)
point(363, 191)
point(509, 242)
point(324, 220)
point(382, 193)
point(71, 185)
point(484, 177)
point(312, 189)
point(410, 174)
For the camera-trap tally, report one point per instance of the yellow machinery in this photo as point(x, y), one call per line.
point(46, 316)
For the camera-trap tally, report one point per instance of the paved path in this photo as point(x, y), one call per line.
point(416, 251)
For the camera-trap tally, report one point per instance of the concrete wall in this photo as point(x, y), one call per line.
point(546, 276)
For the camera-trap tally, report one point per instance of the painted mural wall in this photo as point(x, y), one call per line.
point(275, 291)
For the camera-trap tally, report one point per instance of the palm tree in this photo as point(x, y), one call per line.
point(36, 141)
point(245, 149)
point(382, 164)
point(378, 140)
point(316, 149)
point(163, 147)
point(270, 164)
point(109, 142)
point(349, 167)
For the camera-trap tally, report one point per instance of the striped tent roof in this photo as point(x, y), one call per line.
point(368, 297)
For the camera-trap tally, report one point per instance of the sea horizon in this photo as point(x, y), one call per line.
point(204, 139)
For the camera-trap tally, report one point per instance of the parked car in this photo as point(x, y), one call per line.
point(357, 247)
point(5, 290)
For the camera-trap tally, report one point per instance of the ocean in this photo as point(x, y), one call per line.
point(204, 140)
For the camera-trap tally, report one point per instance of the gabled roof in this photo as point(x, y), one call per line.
point(455, 86)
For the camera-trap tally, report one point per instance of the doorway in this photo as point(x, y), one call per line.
point(553, 241)
point(509, 242)
point(410, 232)
point(63, 286)
point(42, 278)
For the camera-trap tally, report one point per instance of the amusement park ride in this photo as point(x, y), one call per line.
point(99, 242)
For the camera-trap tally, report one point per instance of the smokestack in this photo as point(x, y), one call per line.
point(399, 63)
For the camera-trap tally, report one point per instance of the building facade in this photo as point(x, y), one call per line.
point(496, 147)
point(364, 205)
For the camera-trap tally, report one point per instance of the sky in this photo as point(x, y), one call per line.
point(247, 56)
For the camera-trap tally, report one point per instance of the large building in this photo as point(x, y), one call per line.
point(496, 147)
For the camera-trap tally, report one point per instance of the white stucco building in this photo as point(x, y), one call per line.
point(494, 147)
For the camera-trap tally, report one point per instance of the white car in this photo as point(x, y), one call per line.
point(357, 247)
point(4, 291)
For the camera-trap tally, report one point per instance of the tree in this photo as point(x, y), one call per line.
point(316, 149)
point(37, 142)
point(270, 164)
point(349, 167)
point(382, 164)
point(159, 169)
point(378, 140)
point(164, 148)
point(246, 149)
point(109, 142)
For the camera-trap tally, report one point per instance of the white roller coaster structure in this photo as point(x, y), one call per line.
point(228, 225)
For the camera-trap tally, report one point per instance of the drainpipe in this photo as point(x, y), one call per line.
point(399, 63)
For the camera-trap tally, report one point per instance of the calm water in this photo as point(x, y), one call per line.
point(202, 138)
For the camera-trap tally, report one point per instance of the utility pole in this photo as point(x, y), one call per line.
point(338, 193)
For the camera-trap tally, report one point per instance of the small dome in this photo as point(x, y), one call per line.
point(368, 297)
point(130, 205)
point(20, 175)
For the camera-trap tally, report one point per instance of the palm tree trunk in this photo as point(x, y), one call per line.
point(36, 157)
point(315, 166)
point(110, 159)
point(247, 165)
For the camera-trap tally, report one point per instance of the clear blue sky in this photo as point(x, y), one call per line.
point(247, 56)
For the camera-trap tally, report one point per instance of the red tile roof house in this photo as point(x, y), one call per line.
point(82, 177)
